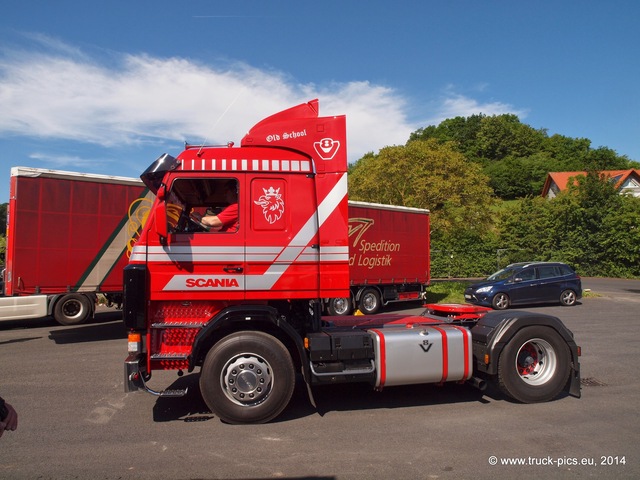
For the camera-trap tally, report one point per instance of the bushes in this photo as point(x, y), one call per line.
point(590, 227)
point(464, 255)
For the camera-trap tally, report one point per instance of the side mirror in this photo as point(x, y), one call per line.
point(161, 213)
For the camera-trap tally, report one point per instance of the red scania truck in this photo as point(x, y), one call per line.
point(68, 238)
point(388, 257)
point(245, 305)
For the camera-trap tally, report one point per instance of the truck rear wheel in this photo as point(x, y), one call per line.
point(247, 377)
point(370, 301)
point(72, 309)
point(535, 365)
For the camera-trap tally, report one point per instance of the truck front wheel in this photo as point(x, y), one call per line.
point(339, 306)
point(247, 377)
point(72, 309)
point(535, 365)
point(370, 301)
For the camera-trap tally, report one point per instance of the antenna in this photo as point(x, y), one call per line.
point(204, 141)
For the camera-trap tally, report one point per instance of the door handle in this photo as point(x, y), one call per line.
point(233, 269)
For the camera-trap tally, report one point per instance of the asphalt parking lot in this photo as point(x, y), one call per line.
point(76, 422)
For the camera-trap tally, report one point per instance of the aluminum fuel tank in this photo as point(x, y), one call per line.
point(421, 354)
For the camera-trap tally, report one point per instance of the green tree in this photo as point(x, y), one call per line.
point(426, 174)
point(568, 153)
point(522, 230)
point(603, 158)
point(504, 135)
point(462, 131)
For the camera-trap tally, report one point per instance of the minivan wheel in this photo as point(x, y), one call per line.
point(500, 301)
point(568, 298)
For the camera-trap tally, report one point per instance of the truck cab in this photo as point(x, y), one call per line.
point(186, 283)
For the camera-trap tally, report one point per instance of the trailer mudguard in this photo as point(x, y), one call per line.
point(495, 329)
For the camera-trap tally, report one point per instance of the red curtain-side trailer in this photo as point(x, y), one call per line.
point(388, 257)
point(68, 238)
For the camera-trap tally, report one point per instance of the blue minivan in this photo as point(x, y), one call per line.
point(527, 283)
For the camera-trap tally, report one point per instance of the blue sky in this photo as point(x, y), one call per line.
point(106, 87)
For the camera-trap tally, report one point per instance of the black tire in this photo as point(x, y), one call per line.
point(535, 365)
point(370, 301)
point(72, 309)
point(247, 377)
point(568, 298)
point(500, 301)
point(339, 306)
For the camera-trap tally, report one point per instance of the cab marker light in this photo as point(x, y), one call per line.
point(135, 342)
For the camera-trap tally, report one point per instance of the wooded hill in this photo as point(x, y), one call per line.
point(481, 177)
point(516, 156)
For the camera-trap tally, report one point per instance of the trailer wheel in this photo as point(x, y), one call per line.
point(72, 309)
point(370, 301)
point(568, 298)
point(500, 301)
point(339, 306)
point(535, 365)
point(247, 377)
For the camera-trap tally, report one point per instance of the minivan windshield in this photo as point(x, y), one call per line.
point(502, 274)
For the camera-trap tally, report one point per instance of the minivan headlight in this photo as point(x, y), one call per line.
point(484, 289)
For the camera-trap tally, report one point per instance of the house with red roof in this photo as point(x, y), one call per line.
point(626, 181)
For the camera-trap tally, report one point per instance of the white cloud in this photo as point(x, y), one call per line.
point(64, 94)
point(452, 104)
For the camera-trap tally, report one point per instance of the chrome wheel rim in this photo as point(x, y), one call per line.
point(247, 379)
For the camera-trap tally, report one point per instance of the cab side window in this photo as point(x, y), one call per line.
point(203, 205)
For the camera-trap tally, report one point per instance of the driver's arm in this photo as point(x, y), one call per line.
point(212, 221)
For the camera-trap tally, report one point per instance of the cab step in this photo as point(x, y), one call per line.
point(178, 392)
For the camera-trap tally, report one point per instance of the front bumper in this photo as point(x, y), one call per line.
point(477, 299)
